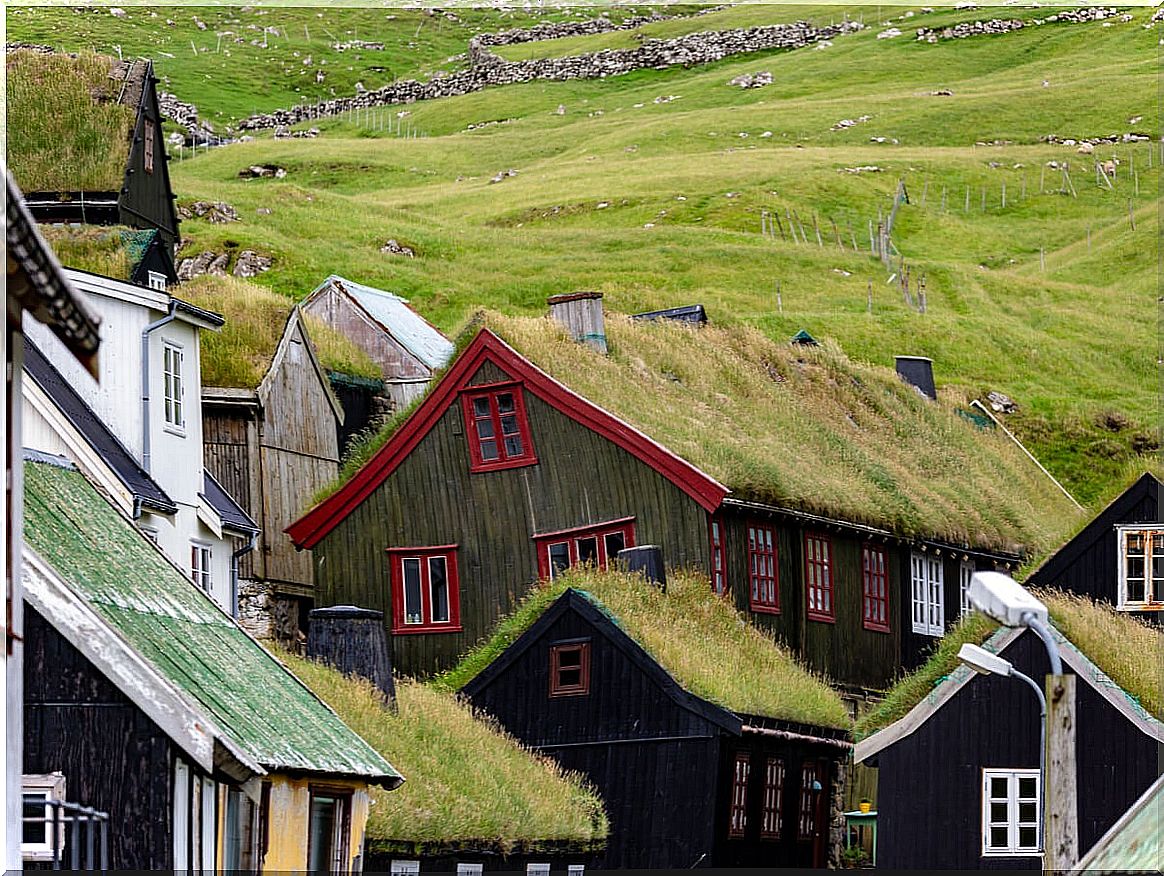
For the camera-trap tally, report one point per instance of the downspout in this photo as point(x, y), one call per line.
point(234, 558)
point(145, 381)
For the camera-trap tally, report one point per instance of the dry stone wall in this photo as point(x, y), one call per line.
point(1005, 25)
point(558, 30)
point(488, 69)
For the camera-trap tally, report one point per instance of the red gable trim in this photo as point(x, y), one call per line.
point(310, 529)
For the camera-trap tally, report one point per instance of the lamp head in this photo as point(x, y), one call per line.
point(1005, 600)
point(982, 661)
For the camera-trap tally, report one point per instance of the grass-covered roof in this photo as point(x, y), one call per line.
point(806, 428)
point(687, 630)
point(188, 639)
point(240, 354)
point(68, 129)
point(1124, 647)
point(108, 250)
point(467, 781)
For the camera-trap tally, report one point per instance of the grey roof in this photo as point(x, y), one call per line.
point(411, 330)
point(121, 462)
point(232, 514)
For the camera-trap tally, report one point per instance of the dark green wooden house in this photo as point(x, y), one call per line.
point(851, 539)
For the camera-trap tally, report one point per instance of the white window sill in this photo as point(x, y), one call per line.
point(178, 431)
point(1012, 854)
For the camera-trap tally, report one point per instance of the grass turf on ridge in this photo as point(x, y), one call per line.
point(687, 630)
point(465, 778)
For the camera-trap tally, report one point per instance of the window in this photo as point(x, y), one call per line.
point(1010, 812)
point(764, 595)
point(597, 545)
point(328, 827)
point(570, 669)
point(498, 429)
point(149, 532)
point(965, 573)
point(200, 557)
point(810, 789)
point(149, 135)
point(1141, 571)
point(426, 596)
point(238, 845)
point(875, 588)
point(773, 798)
point(738, 815)
point(157, 280)
point(39, 792)
point(172, 385)
point(929, 612)
point(818, 577)
point(718, 556)
point(404, 868)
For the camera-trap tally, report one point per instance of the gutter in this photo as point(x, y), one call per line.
point(145, 380)
point(234, 558)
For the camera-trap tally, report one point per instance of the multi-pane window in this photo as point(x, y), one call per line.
point(718, 556)
point(425, 589)
point(809, 790)
point(928, 601)
point(773, 798)
point(738, 815)
point(965, 573)
point(156, 280)
point(172, 386)
point(874, 588)
point(570, 669)
point(1010, 812)
point(818, 577)
point(597, 545)
point(1141, 572)
point(764, 595)
point(200, 557)
point(498, 429)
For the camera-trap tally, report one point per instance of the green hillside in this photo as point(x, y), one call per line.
point(645, 187)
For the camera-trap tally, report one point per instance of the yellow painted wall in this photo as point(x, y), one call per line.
point(290, 810)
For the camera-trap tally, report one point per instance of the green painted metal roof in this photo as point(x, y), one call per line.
point(1136, 842)
point(146, 600)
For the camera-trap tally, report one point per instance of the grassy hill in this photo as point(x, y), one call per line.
point(647, 188)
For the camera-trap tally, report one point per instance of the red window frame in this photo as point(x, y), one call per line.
point(875, 588)
point(738, 811)
point(763, 569)
point(397, 557)
point(551, 542)
point(581, 688)
point(773, 798)
point(717, 536)
point(818, 578)
point(495, 417)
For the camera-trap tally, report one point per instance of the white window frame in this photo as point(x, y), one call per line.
point(927, 594)
point(1012, 849)
point(400, 867)
point(1151, 598)
point(173, 388)
point(156, 280)
point(51, 786)
point(201, 572)
point(966, 571)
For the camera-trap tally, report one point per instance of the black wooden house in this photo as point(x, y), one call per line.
point(688, 780)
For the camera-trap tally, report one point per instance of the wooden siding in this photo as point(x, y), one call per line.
point(929, 794)
point(114, 758)
point(227, 433)
point(432, 499)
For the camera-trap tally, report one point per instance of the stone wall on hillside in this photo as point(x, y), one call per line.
point(1005, 25)
point(558, 30)
point(488, 69)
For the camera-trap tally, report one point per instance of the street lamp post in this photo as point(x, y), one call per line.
point(1006, 601)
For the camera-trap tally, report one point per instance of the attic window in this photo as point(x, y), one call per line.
point(157, 281)
point(426, 594)
point(149, 134)
point(1141, 569)
point(498, 429)
point(818, 577)
point(570, 669)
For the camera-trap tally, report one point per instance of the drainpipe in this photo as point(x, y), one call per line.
point(234, 558)
point(145, 381)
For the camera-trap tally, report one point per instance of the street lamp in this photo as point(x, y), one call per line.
point(1006, 601)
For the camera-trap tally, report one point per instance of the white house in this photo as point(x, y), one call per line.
point(146, 447)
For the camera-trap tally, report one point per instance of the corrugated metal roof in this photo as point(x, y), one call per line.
point(408, 327)
point(1135, 843)
point(175, 627)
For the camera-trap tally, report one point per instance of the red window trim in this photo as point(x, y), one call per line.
point(542, 541)
point(773, 799)
point(741, 773)
point(583, 687)
point(492, 390)
point(868, 594)
point(396, 556)
point(825, 569)
point(754, 602)
point(718, 554)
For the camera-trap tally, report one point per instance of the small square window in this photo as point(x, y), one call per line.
point(570, 669)
point(157, 281)
point(1011, 802)
point(1141, 568)
point(39, 793)
point(498, 429)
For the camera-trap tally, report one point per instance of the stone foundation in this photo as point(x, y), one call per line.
point(270, 616)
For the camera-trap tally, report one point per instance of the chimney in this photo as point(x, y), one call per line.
point(353, 641)
point(918, 372)
point(647, 559)
point(581, 314)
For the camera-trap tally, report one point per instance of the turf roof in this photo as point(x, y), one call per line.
point(175, 627)
point(70, 120)
point(687, 630)
point(469, 782)
point(1125, 648)
point(108, 250)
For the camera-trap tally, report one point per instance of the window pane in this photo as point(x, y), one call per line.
point(34, 807)
point(321, 830)
point(481, 406)
point(1027, 837)
point(484, 428)
point(488, 450)
point(412, 609)
point(513, 446)
point(588, 549)
point(1027, 787)
point(438, 585)
point(570, 676)
point(559, 558)
point(998, 838)
point(615, 542)
point(568, 657)
point(505, 403)
point(998, 813)
point(1027, 813)
point(998, 788)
